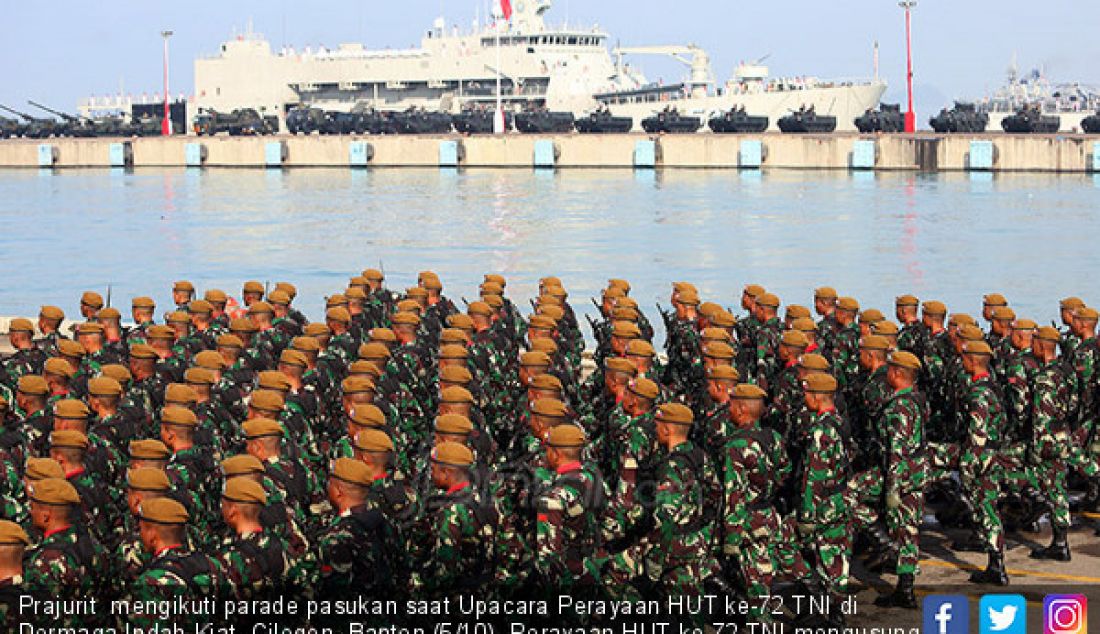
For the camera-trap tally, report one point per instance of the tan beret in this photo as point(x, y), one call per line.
point(1049, 333)
point(163, 510)
point(453, 424)
point(147, 479)
point(210, 360)
point(1004, 313)
point(244, 491)
point(723, 373)
point(549, 346)
point(1084, 313)
point(52, 313)
point(904, 359)
point(20, 325)
point(456, 394)
point(279, 297)
point(770, 300)
point(201, 307)
point(621, 365)
point(58, 367)
point(971, 332)
point(71, 409)
point(534, 359)
point(797, 311)
point(675, 413)
point(108, 313)
point(688, 297)
point(93, 299)
point(117, 372)
point(12, 534)
point(241, 464)
point(547, 382)
point(748, 391)
point(455, 374)
point(934, 307)
point(368, 415)
point(640, 348)
point(183, 286)
point(979, 348)
point(820, 383)
point(33, 385)
point(723, 319)
point(373, 440)
point(405, 319)
point(847, 304)
point(814, 362)
point(68, 438)
point(261, 428)
point(453, 352)
point(42, 468)
point(180, 394)
point(216, 296)
point(792, 338)
point(252, 286)
point(550, 408)
point(306, 344)
point(267, 401)
point(994, 299)
point(273, 380)
point(55, 492)
point(70, 348)
point(568, 435)
point(871, 316)
point(143, 303)
point(907, 300)
point(373, 275)
point(148, 450)
point(178, 416)
point(317, 329)
point(626, 330)
point(874, 342)
point(452, 454)
point(356, 385)
point(1024, 324)
point(644, 388)
point(720, 350)
point(178, 317)
point(884, 327)
point(338, 314)
point(293, 358)
point(496, 279)
point(104, 386)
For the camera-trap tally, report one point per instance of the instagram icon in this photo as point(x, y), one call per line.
point(1065, 614)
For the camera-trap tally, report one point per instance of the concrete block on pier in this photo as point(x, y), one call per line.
point(864, 154)
point(360, 153)
point(450, 153)
point(546, 154)
point(47, 155)
point(981, 155)
point(194, 154)
point(1096, 156)
point(275, 153)
point(645, 154)
point(751, 154)
point(120, 154)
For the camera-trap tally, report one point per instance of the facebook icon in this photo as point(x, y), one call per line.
point(946, 614)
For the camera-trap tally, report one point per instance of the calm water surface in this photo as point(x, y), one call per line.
point(951, 237)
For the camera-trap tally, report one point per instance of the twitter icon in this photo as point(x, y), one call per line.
point(1002, 614)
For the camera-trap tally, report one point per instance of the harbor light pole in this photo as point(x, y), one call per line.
point(910, 116)
point(498, 116)
point(166, 124)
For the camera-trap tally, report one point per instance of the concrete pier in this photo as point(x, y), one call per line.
point(1067, 153)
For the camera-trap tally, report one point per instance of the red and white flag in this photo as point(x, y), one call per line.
point(506, 9)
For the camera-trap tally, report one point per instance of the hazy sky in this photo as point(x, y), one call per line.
point(62, 51)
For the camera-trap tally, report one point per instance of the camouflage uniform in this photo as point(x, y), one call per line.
point(461, 558)
point(822, 510)
point(68, 562)
point(905, 467)
point(979, 470)
point(569, 525)
point(254, 564)
point(674, 558)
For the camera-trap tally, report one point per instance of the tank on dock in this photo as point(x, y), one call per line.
point(420, 121)
point(601, 121)
point(670, 121)
point(963, 118)
point(1031, 120)
point(240, 122)
point(888, 118)
point(544, 122)
point(479, 121)
point(1091, 123)
point(737, 121)
point(807, 121)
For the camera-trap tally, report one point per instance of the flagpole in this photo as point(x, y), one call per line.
point(498, 119)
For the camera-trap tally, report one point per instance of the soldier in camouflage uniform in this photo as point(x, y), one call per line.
point(569, 512)
point(173, 568)
point(68, 562)
point(674, 557)
point(1050, 446)
point(254, 561)
point(822, 512)
point(460, 559)
point(27, 358)
point(49, 322)
point(13, 544)
point(142, 311)
point(99, 500)
point(825, 299)
point(756, 543)
point(980, 472)
point(1086, 362)
point(904, 467)
point(766, 340)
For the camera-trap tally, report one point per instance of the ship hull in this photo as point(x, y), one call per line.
point(843, 102)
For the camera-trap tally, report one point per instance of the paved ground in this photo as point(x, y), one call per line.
point(945, 572)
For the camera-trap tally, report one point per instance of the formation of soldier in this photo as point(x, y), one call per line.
point(404, 447)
